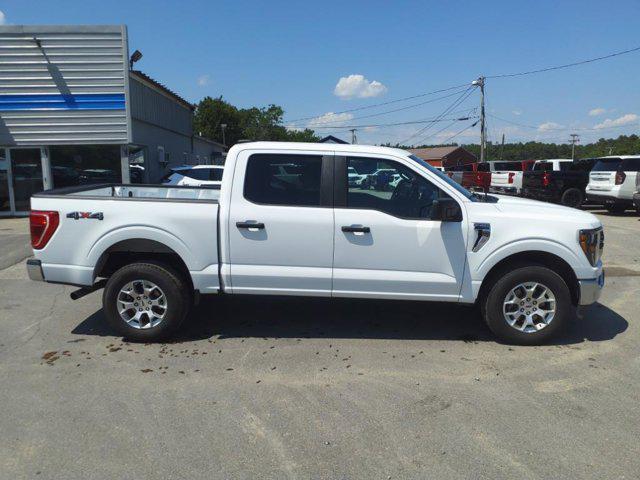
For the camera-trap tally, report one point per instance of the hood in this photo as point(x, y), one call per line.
point(533, 209)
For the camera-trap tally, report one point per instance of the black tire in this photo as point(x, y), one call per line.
point(175, 288)
point(616, 208)
point(572, 197)
point(494, 300)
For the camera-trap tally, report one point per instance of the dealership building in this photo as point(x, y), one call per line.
point(74, 110)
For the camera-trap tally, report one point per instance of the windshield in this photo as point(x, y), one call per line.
point(445, 178)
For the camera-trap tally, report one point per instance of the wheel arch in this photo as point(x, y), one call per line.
point(133, 250)
point(529, 258)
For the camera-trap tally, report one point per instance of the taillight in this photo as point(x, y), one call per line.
point(620, 177)
point(545, 179)
point(511, 175)
point(42, 224)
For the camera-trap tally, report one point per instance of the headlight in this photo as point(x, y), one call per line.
point(592, 243)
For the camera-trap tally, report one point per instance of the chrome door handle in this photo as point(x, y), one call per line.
point(349, 229)
point(250, 225)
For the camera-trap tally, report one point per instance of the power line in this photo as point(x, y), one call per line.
point(560, 129)
point(457, 102)
point(503, 75)
point(433, 92)
point(413, 122)
point(406, 107)
point(460, 132)
point(566, 65)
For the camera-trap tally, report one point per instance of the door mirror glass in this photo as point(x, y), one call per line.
point(447, 210)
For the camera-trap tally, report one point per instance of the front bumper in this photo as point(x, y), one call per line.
point(591, 289)
point(34, 269)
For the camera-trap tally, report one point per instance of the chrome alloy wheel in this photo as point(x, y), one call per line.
point(142, 304)
point(529, 307)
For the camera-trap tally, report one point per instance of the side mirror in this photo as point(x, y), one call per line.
point(447, 210)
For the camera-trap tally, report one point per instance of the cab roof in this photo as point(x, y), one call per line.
point(320, 147)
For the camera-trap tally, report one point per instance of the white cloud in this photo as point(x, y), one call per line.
point(3, 18)
point(545, 127)
point(594, 112)
point(330, 119)
point(618, 122)
point(204, 80)
point(358, 86)
point(517, 113)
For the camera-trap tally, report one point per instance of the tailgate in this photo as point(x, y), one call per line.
point(500, 179)
point(603, 181)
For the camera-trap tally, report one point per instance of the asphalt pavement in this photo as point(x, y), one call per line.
point(326, 389)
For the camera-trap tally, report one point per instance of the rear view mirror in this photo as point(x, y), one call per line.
point(447, 210)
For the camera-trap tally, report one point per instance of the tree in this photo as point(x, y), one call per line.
point(245, 124)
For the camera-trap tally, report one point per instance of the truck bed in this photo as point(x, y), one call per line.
point(98, 219)
point(148, 192)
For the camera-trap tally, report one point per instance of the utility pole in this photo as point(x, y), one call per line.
point(502, 147)
point(483, 132)
point(354, 140)
point(223, 126)
point(575, 138)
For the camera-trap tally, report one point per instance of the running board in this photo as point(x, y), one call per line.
point(84, 291)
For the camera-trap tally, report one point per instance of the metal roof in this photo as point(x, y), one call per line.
point(143, 76)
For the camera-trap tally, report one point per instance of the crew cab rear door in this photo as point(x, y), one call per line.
point(280, 223)
point(386, 243)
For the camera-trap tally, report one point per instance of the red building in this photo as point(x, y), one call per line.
point(445, 156)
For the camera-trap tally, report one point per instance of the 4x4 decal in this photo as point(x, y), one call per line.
point(90, 215)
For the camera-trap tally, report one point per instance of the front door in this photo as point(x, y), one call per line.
point(386, 243)
point(281, 223)
point(26, 176)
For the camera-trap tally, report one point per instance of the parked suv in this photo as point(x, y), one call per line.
point(613, 181)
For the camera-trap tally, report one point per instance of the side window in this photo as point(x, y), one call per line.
point(391, 188)
point(630, 165)
point(282, 179)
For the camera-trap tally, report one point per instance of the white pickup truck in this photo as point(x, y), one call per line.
point(307, 231)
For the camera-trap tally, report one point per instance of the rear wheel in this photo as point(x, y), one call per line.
point(146, 301)
point(572, 197)
point(529, 305)
point(616, 208)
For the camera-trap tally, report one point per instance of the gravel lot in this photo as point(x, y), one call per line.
point(297, 388)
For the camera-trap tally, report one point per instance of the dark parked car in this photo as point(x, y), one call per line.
point(565, 186)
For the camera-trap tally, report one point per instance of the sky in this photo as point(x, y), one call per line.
point(321, 61)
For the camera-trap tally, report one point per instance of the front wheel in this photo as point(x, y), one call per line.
point(145, 301)
point(528, 305)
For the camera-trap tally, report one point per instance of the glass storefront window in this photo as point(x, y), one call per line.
point(86, 164)
point(26, 170)
point(5, 204)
